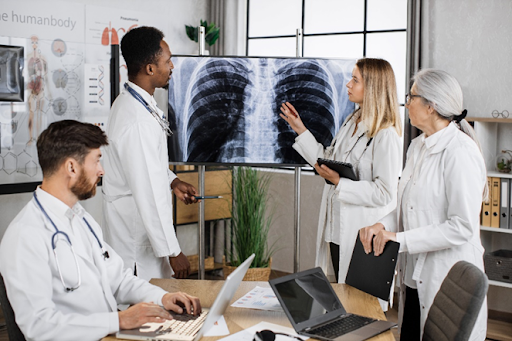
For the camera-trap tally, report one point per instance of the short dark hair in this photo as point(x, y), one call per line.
point(65, 139)
point(141, 46)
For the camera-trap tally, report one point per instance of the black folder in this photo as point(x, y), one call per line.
point(344, 169)
point(373, 275)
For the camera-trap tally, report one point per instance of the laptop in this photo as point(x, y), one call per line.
point(188, 327)
point(314, 309)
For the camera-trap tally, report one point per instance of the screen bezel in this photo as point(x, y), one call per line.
point(311, 323)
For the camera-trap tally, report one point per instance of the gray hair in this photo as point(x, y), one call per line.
point(444, 94)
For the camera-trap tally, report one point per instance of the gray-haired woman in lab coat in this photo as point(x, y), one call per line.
point(369, 139)
point(439, 198)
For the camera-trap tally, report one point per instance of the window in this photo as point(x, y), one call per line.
point(331, 29)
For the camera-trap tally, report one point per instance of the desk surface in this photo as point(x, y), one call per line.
point(237, 319)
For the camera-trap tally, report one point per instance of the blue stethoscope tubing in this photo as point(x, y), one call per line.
point(164, 124)
point(55, 236)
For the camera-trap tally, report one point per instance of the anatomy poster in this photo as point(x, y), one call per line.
point(106, 26)
point(53, 75)
point(226, 110)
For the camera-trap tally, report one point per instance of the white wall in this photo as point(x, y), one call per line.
point(471, 40)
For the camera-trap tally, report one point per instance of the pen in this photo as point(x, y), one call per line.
point(208, 197)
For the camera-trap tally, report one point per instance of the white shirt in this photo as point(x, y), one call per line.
point(137, 205)
point(424, 145)
point(43, 309)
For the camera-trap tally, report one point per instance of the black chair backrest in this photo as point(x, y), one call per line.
point(457, 304)
point(13, 330)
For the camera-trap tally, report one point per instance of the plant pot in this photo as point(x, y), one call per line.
point(253, 274)
point(194, 263)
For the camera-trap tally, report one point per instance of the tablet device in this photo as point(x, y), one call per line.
point(344, 169)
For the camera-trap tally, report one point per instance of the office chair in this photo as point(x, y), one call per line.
point(13, 330)
point(457, 304)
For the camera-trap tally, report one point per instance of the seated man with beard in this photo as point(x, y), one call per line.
point(62, 280)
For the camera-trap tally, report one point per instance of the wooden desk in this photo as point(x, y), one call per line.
point(237, 319)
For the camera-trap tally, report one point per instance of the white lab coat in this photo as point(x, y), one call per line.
point(137, 201)
point(364, 202)
point(43, 309)
point(443, 214)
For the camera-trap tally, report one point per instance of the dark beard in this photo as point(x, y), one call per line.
point(83, 189)
point(166, 86)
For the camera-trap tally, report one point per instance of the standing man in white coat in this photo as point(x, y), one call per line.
point(137, 201)
point(62, 280)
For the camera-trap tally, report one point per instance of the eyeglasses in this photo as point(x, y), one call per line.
point(409, 97)
point(496, 114)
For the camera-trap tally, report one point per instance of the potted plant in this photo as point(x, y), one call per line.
point(211, 32)
point(251, 218)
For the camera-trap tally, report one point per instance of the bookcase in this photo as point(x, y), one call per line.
point(494, 135)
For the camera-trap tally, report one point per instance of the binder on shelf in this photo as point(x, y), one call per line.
point(495, 203)
point(509, 205)
point(505, 203)
point(486, 207)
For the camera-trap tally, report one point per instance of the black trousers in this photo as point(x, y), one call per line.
point(410, 330)
point(335, 257)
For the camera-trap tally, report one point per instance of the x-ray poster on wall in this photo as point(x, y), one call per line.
point(226, 109)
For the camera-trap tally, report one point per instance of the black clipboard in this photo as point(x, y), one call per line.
point(373, 275)
point(344, 169)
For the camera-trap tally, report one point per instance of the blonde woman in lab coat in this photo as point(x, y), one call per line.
point(370, 140)
point(440, 196)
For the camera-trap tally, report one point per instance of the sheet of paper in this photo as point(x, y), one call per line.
point(248, 334)
point(219, 328)
point(259, 298)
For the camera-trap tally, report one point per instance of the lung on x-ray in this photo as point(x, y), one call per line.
point(226, 109)
point(11, 77)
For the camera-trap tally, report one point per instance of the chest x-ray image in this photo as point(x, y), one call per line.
point(226, 109)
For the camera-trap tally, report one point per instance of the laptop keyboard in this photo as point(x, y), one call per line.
point(183, 324)
point(341, 326)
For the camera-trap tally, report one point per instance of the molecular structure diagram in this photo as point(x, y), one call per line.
point(22, 163)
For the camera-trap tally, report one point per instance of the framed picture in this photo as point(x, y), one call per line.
point(11, 73)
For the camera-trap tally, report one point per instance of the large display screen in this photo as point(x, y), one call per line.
point(226, 109)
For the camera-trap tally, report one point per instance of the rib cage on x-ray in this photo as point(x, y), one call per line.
point(226, 110)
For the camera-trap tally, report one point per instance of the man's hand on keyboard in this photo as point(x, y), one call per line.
point(176, 301)
point(141, 313)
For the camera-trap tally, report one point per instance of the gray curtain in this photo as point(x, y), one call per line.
point(413, 62)
point(217, 15)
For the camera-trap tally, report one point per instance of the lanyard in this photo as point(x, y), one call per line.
point(164, 124)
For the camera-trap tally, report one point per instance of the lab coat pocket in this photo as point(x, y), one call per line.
point(66, 262)
point(364, 169)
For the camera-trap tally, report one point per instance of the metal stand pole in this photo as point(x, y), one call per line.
point(201, 174)
point(114, 72)
point(296, 202)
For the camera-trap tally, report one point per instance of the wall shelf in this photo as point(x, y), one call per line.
point(495, 174)
point(495, 229)
point(500, 284)
point(489, 119)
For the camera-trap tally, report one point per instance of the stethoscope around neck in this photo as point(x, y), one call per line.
point(55, 239)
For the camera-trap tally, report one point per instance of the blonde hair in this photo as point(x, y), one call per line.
point(380, 108)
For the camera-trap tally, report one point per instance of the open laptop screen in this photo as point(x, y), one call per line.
point(308, 297)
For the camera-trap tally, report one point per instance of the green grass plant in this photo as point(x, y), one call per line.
point(251, 217)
